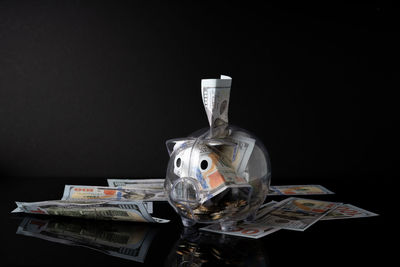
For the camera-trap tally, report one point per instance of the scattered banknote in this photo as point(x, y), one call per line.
point(347, 211)
point(264, 209)
point(156, 184)
point(296, 213)
point(87, 192)
point(144, 187)
point(299, 190)
point(292, 214)
point(254, 229)
point(101, 210)
point(125, 241)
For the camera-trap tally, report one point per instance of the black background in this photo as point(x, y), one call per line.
point(93, 89)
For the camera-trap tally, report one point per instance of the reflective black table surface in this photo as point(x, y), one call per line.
point(59, 241)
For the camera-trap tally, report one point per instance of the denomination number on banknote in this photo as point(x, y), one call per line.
point(38, 211)
point(105, 192)
point(325, 209)
point(347, 210)
point(83, 189)
point(246, 231)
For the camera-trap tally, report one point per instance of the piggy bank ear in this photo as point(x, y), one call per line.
point(173, 144)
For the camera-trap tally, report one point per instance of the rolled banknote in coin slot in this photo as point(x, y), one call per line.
point(215, 94)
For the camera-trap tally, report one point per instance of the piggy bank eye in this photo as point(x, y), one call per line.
point(178, 163)
point(205, 164)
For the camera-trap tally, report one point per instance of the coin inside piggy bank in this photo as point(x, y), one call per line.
point(219, 174)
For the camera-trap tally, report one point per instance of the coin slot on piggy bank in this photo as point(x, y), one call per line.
point(219, 174)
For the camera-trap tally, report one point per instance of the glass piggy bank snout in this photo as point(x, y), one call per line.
point(202, 184)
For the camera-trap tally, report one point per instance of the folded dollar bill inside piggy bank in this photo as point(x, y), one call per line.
point(220, 174)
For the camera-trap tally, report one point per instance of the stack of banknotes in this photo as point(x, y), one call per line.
point(113, 202)
point(132, 200)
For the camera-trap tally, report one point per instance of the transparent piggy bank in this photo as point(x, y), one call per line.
point(219, 174)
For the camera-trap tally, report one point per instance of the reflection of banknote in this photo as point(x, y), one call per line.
point(347, 211)
point(101, 210)
point(155, 187)
point(215, 94)
point(297, 213)
point(86, 192)
point(299, 190)
point(243, 230)
point(130, 242)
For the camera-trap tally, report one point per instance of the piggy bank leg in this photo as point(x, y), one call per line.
point(227, 226)
point(251, 217)
point(187, 222)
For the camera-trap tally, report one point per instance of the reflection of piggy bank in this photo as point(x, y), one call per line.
point(206, 249)
point(220, 174)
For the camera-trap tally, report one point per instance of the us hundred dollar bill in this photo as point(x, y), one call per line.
point(87, 192)
point(240, 153)
point(220, 169)
point(100, 210)
point(144, 187)
point(156, 184)
point(288, 190)
point(348, 211)
point(297, 213)
point(215, 94)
